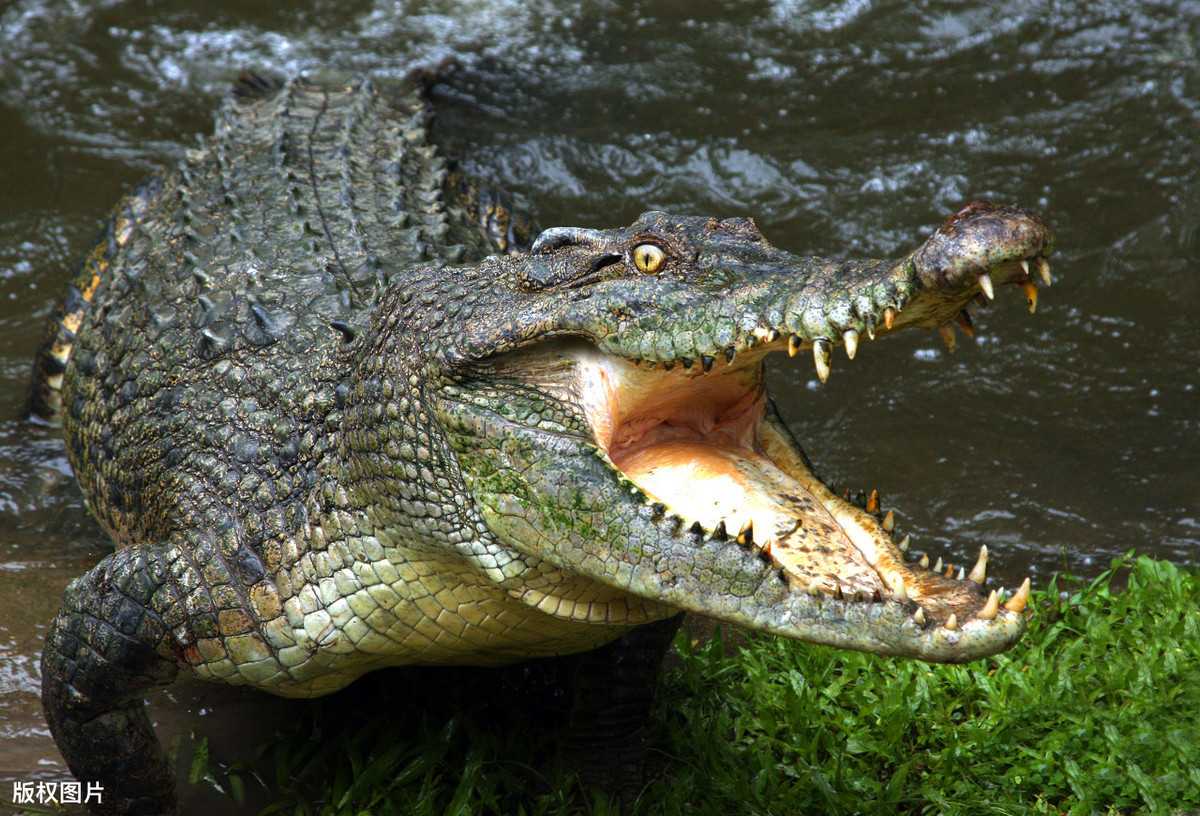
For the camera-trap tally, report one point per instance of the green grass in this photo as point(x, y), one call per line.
point(1096, 711)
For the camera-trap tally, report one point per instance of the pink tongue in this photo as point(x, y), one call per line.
point(707, 483)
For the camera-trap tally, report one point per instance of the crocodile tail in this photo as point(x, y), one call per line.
point(50, 362)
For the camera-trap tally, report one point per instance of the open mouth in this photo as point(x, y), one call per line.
point(704, 440)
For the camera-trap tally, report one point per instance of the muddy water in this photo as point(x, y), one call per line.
point(1059, 439)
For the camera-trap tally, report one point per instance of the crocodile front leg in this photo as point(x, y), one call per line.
point(108, 647)
point(606, 740)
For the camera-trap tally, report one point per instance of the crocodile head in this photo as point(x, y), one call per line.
point(607, 399)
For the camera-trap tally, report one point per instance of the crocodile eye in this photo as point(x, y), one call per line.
point(648, 258)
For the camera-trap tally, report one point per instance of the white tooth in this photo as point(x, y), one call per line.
point(850, 337)
point(919, 615)
point(1043, 268)
point(985, 284)
point(822, 357)
point(979, 571)
point(951, 622)
point(1025, 266)
point(991, 608)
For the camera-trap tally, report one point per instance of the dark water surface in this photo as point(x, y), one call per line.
point(1059, 439)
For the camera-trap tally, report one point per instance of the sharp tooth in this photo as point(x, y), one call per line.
point(697, 529)
point(964, 319)
point(889, 521)
point(870, 321)
point(814, 590)
point(946, 330)
point(979, 571)
point(719, 532)
point(746, 534)
point(850, 337)
point(873, 503)
point(938, 566)
point(919, 616)
point(1025, 266)
point(706, 362)
point(1030, 290)
point(924, 562)
point(949, 573)
point(1017, 602)
point(897, 586)
point(773, 335)
point(822, 357)
point(985, 286)
point(961, 574)
point(1043, 268)
point(730, 353)
point(837, 592)
point(903, 545)
point(989, 610)
point(889, 317)
point(951, 622)
point(687, 363)
point(793, 345)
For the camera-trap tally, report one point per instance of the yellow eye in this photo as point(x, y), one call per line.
point(648, 258)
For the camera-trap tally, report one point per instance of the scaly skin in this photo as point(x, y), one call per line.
point(327, 434)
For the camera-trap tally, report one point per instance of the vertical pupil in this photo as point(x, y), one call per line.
point(646, 258)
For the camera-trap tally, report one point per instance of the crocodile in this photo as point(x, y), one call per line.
point(341, 407)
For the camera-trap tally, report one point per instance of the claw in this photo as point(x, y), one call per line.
point(1017, 602)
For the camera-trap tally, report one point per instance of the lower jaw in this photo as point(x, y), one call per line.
point(822, 543)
